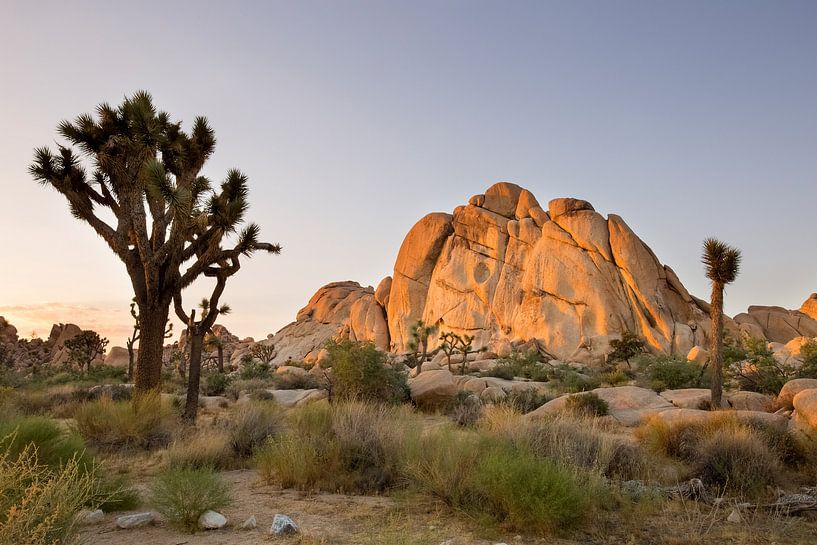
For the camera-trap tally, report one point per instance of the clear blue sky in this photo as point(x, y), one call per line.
point(354, 119)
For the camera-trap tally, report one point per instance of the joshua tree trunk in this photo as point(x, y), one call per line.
point(220, 358)
point(148, 375)
point(716, 345)
point(191, 406)
point(130, 361)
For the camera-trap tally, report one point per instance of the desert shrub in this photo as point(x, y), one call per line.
point(293, 381)
point(737, 461)
point(53, 446)
point(362, 372)
point(525, 492)
point(587, 404)
point(441, 463)
point(115, 494)
point(670, 373)
point(759, 371)
point(203, 448)
point(527, 365)
point(808, 353)
point(627, 347)
point(614, 377)
point(38, 504)
point(252, 424)
point(214, 383)
point(465, 409)
point(183, 495)
point(740, 456)
point(525, 400)
point(568, 380)
point(250, 386)
point(251, 369)
point(142, 423)
point(351, 447)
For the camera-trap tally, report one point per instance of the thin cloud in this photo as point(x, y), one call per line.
point(39, 318)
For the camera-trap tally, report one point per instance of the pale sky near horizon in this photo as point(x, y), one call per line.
point(353, 119)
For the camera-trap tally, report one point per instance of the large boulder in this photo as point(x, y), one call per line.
point(433, 389)
point(785, 399)
point(118, 357)
point(336, 311)
point(778, 324)
point(60, 334)
point(809, 306)
point(804, 416)
point(502, 268)
point(630, 405)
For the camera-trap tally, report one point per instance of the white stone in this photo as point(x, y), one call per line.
point(135, 520)
point(91, 517)
point(212, 520)
point(283, 525)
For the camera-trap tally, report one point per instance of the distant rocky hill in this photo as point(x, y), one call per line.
point(504, 269)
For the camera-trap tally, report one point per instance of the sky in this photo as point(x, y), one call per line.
point(353, 119)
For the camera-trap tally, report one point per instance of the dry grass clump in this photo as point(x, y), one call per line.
point(351, 447)
point(252, 424)
point(723, 451)
point(144, 422)
point(205, 447)
point(38, 504)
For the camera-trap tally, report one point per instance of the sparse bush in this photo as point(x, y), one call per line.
point(249, 386)
point(142, 423)
point(38, 504)
point(115, 494)
point(587, 404)
point(627, 347)
point(251, 369)
point(526, 400)
point(294, 381)
point(214, 383)
point(54, 447)
point(183, 495)
point(252, 424)
point(203, 448)
point(568, 380)
point(362, 372)
point(351, 447)
point(670, 373)
point(526, 492)
point(615, 377)
point(466, 409)
point(526, 365)
point(502, 371)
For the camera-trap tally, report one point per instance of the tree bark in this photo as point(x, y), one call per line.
point(130, 361)
point(220, 358)
point(716, 346)
point(191, 406)
point(148, 372)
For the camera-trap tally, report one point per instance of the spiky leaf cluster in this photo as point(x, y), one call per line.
point(721, 261)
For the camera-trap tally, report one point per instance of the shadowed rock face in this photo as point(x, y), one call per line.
point(502, 267)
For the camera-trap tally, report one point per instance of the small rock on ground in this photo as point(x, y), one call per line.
point(91, 517)
point(212, 520)
point(135, 520)
point(283, 525)
point(250, 524)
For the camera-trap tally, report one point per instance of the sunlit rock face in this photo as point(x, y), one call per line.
point(779, 325)
point(501, 267)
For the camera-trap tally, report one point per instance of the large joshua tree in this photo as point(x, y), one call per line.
point(722, 263)
point(133, 175)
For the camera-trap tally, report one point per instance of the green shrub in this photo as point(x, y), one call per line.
point(758, 371)
point(38, 504)
point(615, 377)
point(525, 400)
point(587, 404)
point(565, 379)
point(293, 381)
point(252, 424)
point(525, 492)
point(526, 365)
point(142, 423)
point(670, 373)
point(252, 369)
point(115, 494)
point(502, 371)
point(183, 495)
point(53, 446)
point(214, 383)
point(627, 347)
point(362, 372)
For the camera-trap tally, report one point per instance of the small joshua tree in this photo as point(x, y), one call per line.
point(419, 341)
point(213, 342)
point(465, 345)
point(263, 352)
point(722, 264)
point(85, 347)
point(449, 342)
point(628, 346)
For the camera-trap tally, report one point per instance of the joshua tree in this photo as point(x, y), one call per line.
point(465, 344)
point(131, 341)
point(419, 341)
point(263, 352)
point(196, 330)
point(85, 347)
point(449, 344)
point(213, 342)
point(722, 263)
point(159, 216)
